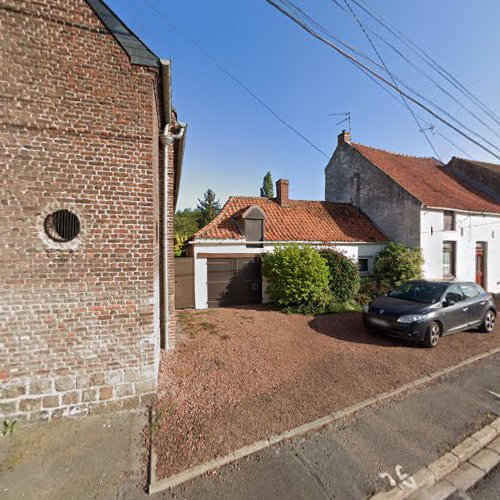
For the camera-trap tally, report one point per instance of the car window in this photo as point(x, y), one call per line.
point(470, 290)
point(454, 293)
point(427, 293)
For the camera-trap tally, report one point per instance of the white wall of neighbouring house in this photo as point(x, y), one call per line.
point(470, 229)
point(353, 251)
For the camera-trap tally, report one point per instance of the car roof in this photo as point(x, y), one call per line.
point(443, 283)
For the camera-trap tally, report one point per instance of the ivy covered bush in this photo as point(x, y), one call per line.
point(396, 264)
point(298, 278)
point(344, 275)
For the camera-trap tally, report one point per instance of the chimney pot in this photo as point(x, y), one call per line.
point(282, 192)
point(344, 137)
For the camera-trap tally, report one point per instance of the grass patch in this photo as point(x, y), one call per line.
point(208, 327)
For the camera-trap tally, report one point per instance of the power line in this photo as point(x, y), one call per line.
point(359, 64)
point(305, 18)
point(408, 107)
point(304, 15)
point(423, 72)
point(235, 79)
point(427, 59)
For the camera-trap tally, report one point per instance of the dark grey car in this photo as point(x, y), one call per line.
point(426, 310)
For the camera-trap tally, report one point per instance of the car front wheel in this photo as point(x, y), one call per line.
point(432, 335)
point(488, 322)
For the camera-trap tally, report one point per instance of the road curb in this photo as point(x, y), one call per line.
point(156, 485)
point(457, 470)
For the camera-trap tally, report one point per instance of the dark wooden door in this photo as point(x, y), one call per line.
point(184, 282)
point(234, 282)
point(480, 258)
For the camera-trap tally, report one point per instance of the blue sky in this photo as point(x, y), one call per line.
point(232, 141)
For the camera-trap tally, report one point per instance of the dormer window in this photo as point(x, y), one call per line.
point(251, 225)
point(449, 220)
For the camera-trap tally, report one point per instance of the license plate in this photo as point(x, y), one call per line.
point(379, 322)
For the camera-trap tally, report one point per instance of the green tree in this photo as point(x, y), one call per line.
point(267, 189)
point(186, 223)
point(398, 263)
point(208, 208)
point(297, 278)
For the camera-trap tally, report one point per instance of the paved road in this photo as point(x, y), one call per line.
point(101, 457)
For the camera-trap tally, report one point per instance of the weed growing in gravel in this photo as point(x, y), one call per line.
point(9, 426)
point(219, 363)
point(267, 398)
point(209, 327)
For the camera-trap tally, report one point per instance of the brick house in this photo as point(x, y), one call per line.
point(452, 212)
point(91, 159)
point(227, 251)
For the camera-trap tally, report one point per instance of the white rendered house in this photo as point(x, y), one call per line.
point(452, 212)
point(227, 252)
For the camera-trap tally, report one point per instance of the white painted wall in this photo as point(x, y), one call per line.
point(239, 247)
point(470, 229)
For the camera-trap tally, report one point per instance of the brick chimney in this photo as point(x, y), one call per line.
point(282, 192)
point(344, 137)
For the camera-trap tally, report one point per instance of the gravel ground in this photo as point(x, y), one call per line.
point(241, 374)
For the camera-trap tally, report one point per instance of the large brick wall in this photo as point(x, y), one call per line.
point(79, 130)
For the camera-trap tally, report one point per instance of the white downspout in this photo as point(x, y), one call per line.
point(167, 138)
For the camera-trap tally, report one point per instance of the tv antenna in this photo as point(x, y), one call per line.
point(431, 129)
point(347, 118)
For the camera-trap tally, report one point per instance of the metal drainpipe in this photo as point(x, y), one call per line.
point(167, 138)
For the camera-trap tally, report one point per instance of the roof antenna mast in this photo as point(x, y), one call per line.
point(347, 118)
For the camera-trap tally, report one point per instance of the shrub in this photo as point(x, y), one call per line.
point(344, 275)
point(370, 289)
point(398, 263)
point(297, 278)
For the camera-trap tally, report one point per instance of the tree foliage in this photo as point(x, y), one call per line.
point(267, 189)
point(398, 263)
point(344, 275)
point(208, 208)
point(297, 278)
point(186, 223)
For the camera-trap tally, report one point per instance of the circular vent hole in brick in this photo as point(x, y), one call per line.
point(62, 225)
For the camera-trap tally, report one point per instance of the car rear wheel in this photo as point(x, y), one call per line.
point(488, 322)
point(432, 335)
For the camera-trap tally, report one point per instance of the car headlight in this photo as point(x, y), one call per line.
point(366, 308)
point(411, 318)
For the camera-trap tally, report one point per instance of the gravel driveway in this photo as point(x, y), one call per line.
point(241, 374)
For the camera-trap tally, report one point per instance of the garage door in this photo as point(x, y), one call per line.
point(234, 282)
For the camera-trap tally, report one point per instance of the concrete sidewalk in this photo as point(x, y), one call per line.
point(102, 457)
point(99, 457)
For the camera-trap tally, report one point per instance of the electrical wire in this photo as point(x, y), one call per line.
point(423, 72)
point(235, 79)
point(429, 60)
point(305, 18)
point(405, 102)
point(359, 64)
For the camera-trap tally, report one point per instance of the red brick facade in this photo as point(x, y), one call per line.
point(79, 129)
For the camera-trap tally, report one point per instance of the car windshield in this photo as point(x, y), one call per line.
point(427, 293)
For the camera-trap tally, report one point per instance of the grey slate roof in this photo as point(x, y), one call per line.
point(138, 52)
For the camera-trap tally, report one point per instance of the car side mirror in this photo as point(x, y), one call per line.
point(448, 302)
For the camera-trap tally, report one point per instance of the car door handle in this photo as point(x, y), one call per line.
point(465, 309)
point(483, 302)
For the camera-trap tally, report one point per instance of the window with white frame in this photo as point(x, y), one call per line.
point(365, 266)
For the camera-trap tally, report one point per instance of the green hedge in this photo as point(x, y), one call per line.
point(344, 275)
